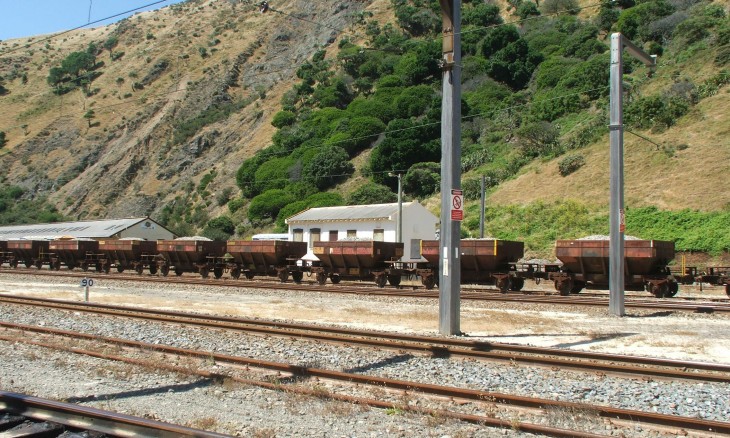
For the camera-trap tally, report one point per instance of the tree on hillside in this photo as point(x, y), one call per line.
point(3, 140)
point(110, 44)
point(89, 116)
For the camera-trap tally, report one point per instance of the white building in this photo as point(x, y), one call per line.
point(377, 222)
point(140, 227)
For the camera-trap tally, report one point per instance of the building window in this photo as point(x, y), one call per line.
point(379, 235)
point(298, 235)
point(333, 235)
point(351, 234)
point(415, 248)
point(314, 235)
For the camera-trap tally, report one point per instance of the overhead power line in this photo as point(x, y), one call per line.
point(7, 52)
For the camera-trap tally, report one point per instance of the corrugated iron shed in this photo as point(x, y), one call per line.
point(90, 229)
point(348, 213)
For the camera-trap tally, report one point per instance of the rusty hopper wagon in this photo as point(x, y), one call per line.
point(717, 275)
point(125, 254)
point(358, 260)
point(483, 261)
point(4, 254)
point(266, 257)
point(28, 252)
point(201, 256)
point(72, 253)
point(585, 264)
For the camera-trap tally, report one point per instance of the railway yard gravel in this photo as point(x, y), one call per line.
point(251, 411)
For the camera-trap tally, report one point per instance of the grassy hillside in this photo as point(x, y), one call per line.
point(220, 120)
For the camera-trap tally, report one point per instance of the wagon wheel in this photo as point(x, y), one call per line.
point(217, 272)
point(321, 278)
point(428, 282)
point(283, 275)
point(38, 264)
point(57, 265)
point(235, 273)
point(164, 270)
point(204, 272)
point(335, 278)
point(153, 269)
point(394, 280)
point(84, 266)
point(380, 280)
point(297, 276)
point(106, 268)
point(99, 267)
point(249, 275)
point(178, 271)
point(517, 284)
point(564, 286)
point(140, 268)
point(14, 264)
point(659, 290)
point(727, 290)
point(672, 289)
point(577, 287)
point(71, 266)
point(120, 268)
point(504, 284)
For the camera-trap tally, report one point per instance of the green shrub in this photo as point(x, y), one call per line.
point(570, 163)
point(235, 204)
point(265, 207)
point(283, 118)
point(371, 193)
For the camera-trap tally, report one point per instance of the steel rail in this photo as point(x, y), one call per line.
point(381, 382)
point(81, 417)
point(438, 347)
point(277, 386)
point(373, 291)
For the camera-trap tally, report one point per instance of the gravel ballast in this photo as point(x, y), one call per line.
point(250, 411)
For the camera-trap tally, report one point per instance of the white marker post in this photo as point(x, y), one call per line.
point(86, 283)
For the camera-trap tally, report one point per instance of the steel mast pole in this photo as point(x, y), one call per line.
point(617, 219)
point(450, 263)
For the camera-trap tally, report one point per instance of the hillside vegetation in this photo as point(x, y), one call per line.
point(253, 117)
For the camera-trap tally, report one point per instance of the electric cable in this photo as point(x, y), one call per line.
point(25, 46)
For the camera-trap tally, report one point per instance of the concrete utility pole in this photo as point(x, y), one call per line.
point(399, 230)
point(616, 260)
point(481, 213)
point(450, 264)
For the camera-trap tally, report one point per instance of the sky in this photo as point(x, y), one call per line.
point(24, 18)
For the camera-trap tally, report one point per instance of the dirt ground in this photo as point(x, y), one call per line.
point(669, 334)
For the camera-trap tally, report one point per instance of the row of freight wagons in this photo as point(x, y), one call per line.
point(584, 263)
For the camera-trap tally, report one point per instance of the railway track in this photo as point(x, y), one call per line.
point(467, 294)
point(25, 416)
point(350, 383)
point(439, 347)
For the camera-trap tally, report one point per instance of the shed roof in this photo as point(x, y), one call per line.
point(348, 213)
point(91, 229)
